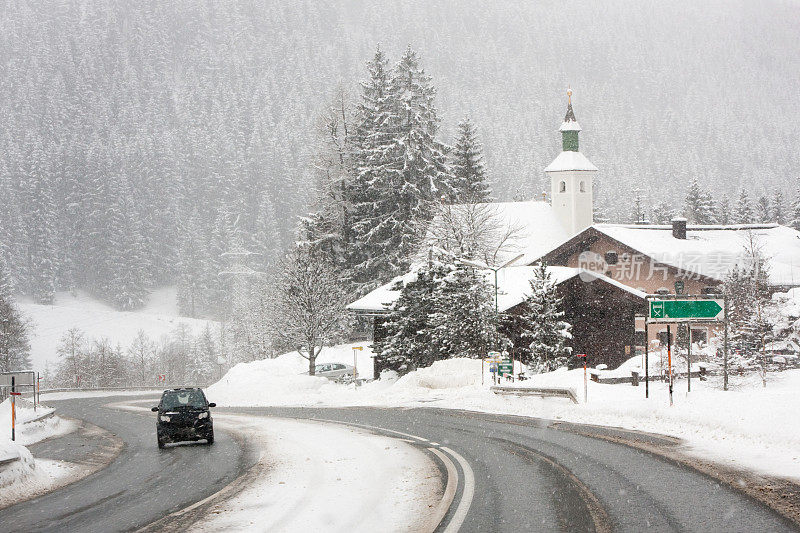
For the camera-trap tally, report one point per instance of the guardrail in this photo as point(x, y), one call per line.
point(549, 392)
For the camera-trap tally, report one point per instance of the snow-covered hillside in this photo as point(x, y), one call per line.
point(97, 320)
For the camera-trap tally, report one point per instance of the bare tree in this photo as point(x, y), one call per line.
point(309, 304)
point(141, 354)
point(474, 231)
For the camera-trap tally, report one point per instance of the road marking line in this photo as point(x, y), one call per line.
point(466, 495)
point(449, 490)
point(421, 439)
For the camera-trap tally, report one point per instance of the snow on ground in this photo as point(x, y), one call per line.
point(97, 320)
point(27, 476)
point(749, 426)
point(326, 477)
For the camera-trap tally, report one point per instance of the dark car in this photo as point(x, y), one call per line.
point(183, 414)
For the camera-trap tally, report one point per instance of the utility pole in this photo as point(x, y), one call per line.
point(646, 362)
point(689, 358)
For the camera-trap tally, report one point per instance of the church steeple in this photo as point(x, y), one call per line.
point(571, 178)
point(569, 128)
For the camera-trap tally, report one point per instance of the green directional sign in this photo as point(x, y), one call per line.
point(506, 367)
point(685, 310)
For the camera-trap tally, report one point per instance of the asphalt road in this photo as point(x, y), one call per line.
point(142, 485)
point(513, 474)
point(532, 475)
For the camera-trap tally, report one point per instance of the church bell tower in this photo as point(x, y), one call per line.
point(571, 175)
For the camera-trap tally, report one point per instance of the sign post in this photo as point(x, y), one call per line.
point(646, 362)
point(585, 380)
point(669, 362)
point(686, 309)
point(356, 349)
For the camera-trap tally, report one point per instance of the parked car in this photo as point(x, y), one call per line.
point(334, 371)
point(184, 414)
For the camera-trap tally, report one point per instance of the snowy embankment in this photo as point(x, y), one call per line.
point(21, 474)
point(98, 320)
point(748, 427)
point(324, 477)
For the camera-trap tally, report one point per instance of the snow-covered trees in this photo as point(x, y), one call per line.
point(469, 174)
point(309, 304)
point(14, 346)
point(543, 336)
point(699, 205)
point(445, 311)
point(747, 291)
point(401, 167)
point(743, 213)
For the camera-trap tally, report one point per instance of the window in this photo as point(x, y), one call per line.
point(663, 339)
point(663, 290)
point(639, 338)
point(562, 187)
point(710, 290)
point(583, 186)
point(611, 258)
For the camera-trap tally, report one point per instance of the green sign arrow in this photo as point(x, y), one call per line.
point(685, 309)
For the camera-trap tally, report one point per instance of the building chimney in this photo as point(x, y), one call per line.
point(679, 228)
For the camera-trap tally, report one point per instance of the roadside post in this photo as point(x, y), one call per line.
point(646, 362)
point(669, 361)
point(585, 381)
point(356, 349)
point(689, 359)
point(13, 408)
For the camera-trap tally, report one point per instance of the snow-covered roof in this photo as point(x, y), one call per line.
point(570, 161)
point(513, 284)
point(570, 125)
point(713, 250)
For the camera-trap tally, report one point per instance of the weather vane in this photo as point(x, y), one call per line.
point(569, 94)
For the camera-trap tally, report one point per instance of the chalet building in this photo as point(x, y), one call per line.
point(604, 272)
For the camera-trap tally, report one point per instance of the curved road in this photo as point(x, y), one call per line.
point(513, 474)
point(142, 485)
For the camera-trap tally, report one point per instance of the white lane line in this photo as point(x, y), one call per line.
point(466, 495)
point(449, 490)
point(469, 477)
point(421, 439)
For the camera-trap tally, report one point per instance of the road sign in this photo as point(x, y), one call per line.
point(506, 367)
point(20, 379)
point(684, 310)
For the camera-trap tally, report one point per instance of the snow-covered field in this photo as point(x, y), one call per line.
point(748, 427)
point(325, 477)
point(98, 320)
point(27, 476)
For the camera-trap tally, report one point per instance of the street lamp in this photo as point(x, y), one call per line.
point(484, 266)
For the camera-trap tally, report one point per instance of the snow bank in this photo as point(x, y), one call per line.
point(97, 319)
point(325, 477)
point(284, 380)
point(747, 427)
point(36, 474)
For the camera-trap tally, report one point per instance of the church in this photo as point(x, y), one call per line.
point(604, 272)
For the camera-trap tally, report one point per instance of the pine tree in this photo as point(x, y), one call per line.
point(469, 175)
point(542, 328)
point(723, 211)
point(795, 212)
point(14, 344)
point(763, 209)
point(464, 323)
point(743, 214)
point(638, 214)
point(692, 202)
point(662, 213)
point(40, 230)
point(778, 214)
point(707, 210)
point(403, 170)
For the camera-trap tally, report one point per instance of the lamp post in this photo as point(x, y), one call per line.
point(484, 266)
